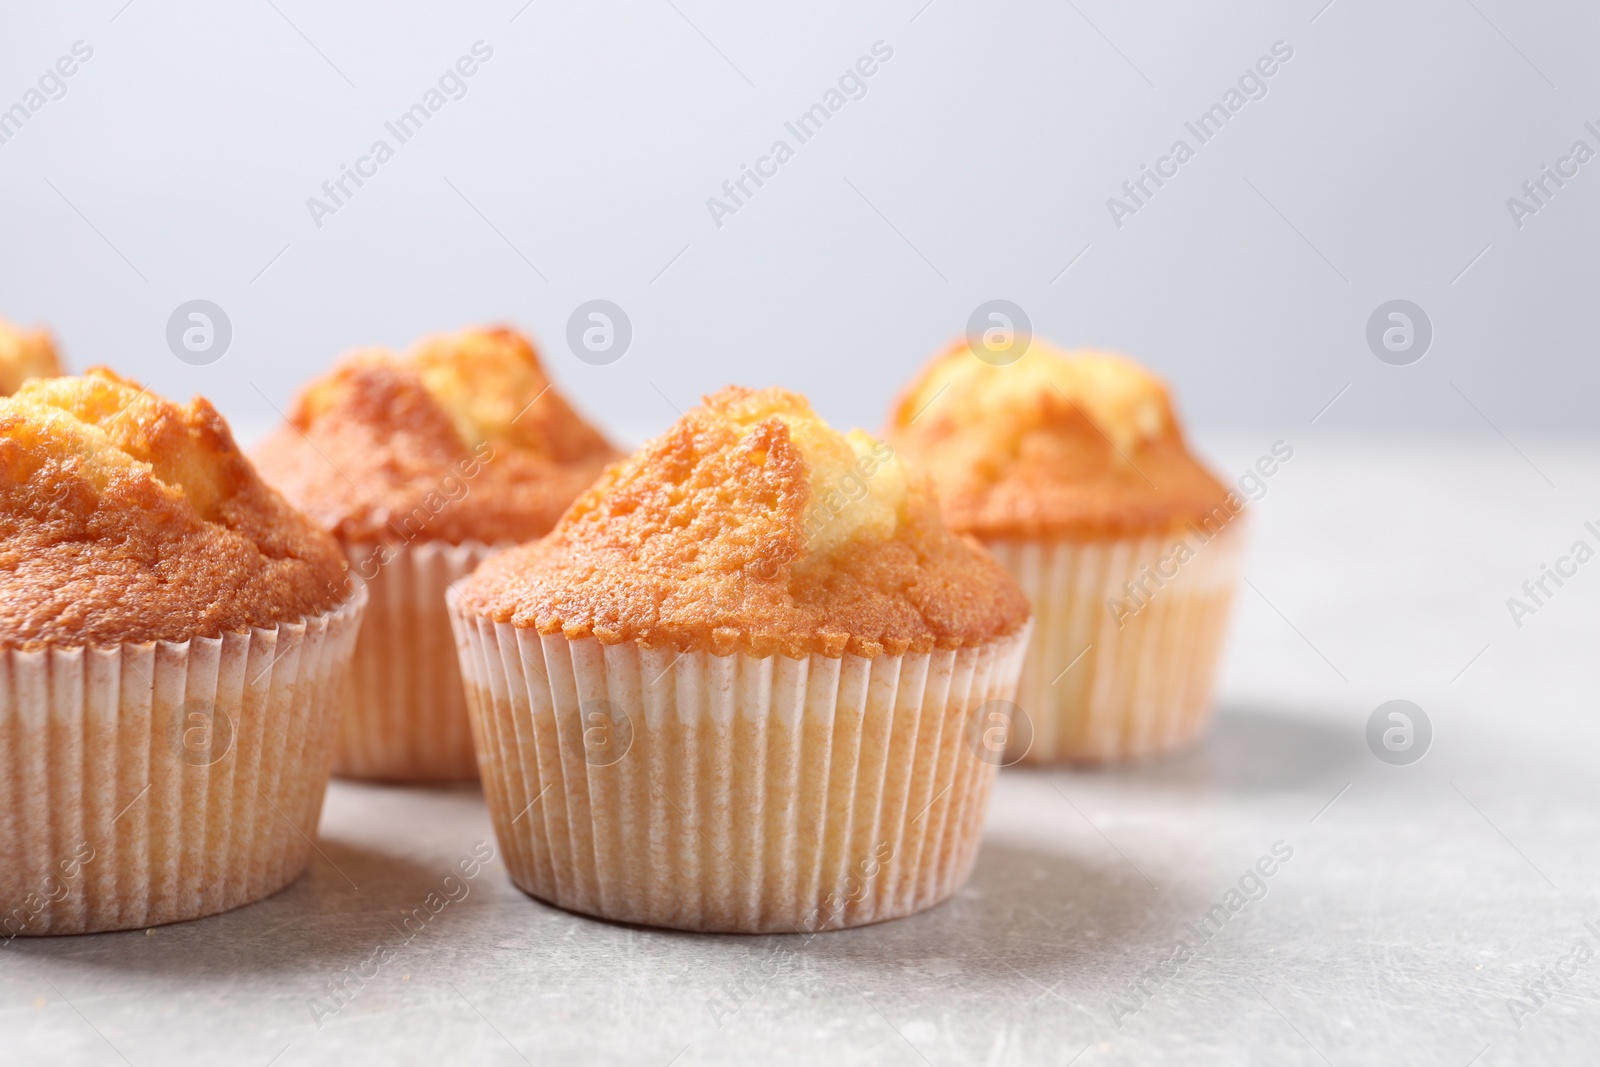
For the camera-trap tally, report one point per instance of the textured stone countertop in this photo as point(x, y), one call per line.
point(1416, 903)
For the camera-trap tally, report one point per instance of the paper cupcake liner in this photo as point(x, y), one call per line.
point(1116, 674)
point(731, 793)
point(151, 783)
point(405, 718)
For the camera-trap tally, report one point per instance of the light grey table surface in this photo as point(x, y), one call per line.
point(1417, 902)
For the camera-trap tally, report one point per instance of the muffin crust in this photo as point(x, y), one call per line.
point(125, 517)
point(750, 526)
point(25, 354)
point(1080, 445)
point(462, 439)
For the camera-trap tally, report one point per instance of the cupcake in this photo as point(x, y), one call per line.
point(1071, 469)
point(173, 638)
point(24, 355)
point(422, 466)
point(742, 685)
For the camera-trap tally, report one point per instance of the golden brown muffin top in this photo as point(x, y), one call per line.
point(751, 526)
point(25, 354)
point(1079, 445)
point(126, 517)
point(462, 439)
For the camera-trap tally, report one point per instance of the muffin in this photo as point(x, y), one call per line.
point(173, 637)
point(740, 687)
point(422, 466)
point(1072, 470)
point(24, 355)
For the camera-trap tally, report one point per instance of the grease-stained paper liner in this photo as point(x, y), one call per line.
point(731, 793)
point(1111, 676)
point(151, 783)
point(405, 718)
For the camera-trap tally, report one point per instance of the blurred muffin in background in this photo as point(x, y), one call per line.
point(1071, 468)
point(174, 638)
point(25, 354)
point(422, 466)
point(749, 667)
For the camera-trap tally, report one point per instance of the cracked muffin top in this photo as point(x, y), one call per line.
point(127, 517)
point(25, 354)
point(462, 439)
point(752, 526)
point(1079, 445)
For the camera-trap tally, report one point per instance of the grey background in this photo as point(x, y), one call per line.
point(1421, 898)
point(977, 166)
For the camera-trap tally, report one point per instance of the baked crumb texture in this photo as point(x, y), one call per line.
point(125, 517)
point(25, 354)
point(1081, 445)
point(751, 526)
point(462, 439)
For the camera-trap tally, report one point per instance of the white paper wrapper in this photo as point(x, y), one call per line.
point(731, 793)
point(1101, 684)
point(405, 718)
point(151, 783)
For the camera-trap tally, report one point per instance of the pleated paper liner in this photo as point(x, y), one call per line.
point(731, 793)
point(151, 783)
point(405, 717)
point(1126, 641)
